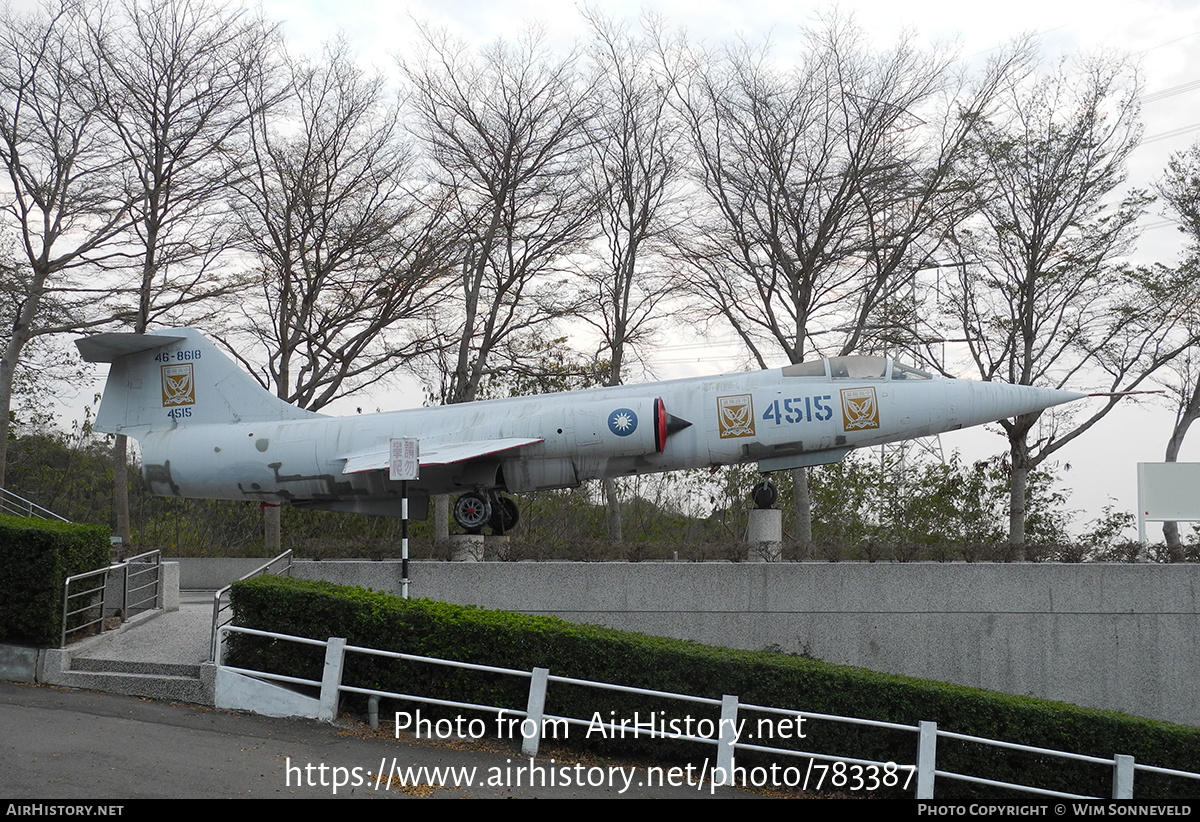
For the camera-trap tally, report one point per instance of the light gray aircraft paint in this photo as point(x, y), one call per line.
point(207, 430)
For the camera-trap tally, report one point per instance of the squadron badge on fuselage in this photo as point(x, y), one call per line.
point(735, 416)
point(860, 411)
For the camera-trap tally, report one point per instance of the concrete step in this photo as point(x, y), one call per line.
point(121, 666)
point(152, 685)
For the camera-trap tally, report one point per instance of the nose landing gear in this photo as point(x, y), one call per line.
point(764, 494)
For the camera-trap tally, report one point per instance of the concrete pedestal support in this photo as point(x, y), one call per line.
point(495, 547)
point(764, 535)
point(467, 547)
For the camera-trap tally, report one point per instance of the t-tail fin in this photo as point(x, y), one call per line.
point(164, 379)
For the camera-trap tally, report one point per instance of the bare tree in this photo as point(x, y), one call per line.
point(508, 132)
point(784, 156)
point(827, 185)
point(635, 174)
point(1041, 295)
point(67, 203)
point(176, 83)
point(351, 254)
point(1179, 189)
point(179, 83)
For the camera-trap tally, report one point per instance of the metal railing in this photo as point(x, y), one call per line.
point(222, 608)
point(143, 578)
point(81, 603)
point(919, 776)
point(18, 506)
point(141, 581)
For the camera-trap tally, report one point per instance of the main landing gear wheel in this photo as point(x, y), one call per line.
point(764, 494)
point(504, 515)
point(472, 511)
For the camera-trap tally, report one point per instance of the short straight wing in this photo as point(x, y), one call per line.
point(443, 454)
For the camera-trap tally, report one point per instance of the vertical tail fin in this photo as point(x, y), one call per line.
point(165, 379)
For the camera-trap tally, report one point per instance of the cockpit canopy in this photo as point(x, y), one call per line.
point(855, 368)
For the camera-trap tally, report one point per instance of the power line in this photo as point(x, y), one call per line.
point(1154, 97)
point(1178, 132)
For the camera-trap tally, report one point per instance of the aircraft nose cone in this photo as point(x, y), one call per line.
point(991, 401)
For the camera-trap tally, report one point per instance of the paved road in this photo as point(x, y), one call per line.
point(65, 744)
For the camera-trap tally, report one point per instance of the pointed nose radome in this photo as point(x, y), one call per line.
point(984, 402)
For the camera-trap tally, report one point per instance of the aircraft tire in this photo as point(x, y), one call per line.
point(505, 515)
point(472, 511)
point(764, 494)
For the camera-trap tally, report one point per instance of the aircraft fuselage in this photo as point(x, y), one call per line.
point(203, 436)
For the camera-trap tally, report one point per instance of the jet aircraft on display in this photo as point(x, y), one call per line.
point(208, 430)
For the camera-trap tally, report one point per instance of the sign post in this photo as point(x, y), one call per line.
point(405, 465)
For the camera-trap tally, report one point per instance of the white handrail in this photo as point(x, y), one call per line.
point(925, 770)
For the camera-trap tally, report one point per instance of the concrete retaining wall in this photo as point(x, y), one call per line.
point(1123, 637)
point(214, 573)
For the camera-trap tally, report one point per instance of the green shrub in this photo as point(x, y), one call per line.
point(38, 557)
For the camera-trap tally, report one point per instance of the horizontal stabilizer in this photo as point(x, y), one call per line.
point(107, 347)
point(444, 454)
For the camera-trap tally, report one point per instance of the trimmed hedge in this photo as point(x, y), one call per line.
point(371, 619)
point(38, 556)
